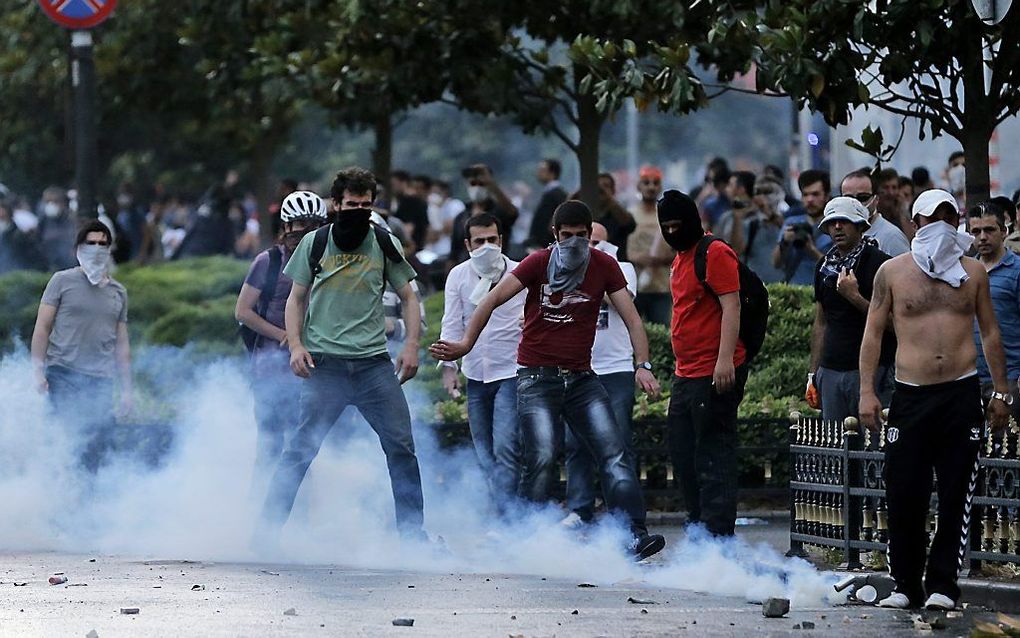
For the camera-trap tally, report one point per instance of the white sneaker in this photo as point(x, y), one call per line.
point(572, 521)
point(940, 602)
point(895, 600)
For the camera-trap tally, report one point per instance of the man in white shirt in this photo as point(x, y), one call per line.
point(861, 186)
point(612, 359)
point(491, 367)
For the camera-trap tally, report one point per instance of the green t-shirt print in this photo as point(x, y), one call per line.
point(345, 311)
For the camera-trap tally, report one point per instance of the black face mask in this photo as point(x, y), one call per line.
point(684, 238)
point(676, 206)
point(351, 227)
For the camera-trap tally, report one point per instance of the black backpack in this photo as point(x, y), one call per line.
point(322, 238)
point(754, 298)
point(249, 336)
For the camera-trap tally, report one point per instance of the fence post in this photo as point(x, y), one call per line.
point(796, 547)
point(851, 504)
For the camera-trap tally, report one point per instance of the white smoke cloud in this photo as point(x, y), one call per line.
point(196, 504)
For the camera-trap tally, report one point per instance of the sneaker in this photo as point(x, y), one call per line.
point(647, 545)
point(940, 602)
point(573, 521)
point(895, 600)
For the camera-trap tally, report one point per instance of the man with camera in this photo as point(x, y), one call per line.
point(802, 243)
point(484, 196)
point(752, 226)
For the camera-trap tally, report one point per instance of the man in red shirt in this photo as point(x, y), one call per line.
point(566, 284)
point(710, 370)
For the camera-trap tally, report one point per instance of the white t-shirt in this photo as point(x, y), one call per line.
point(612, 351)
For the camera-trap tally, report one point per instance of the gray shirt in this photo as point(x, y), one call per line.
point(891, 239)
point(758, 255)
point(84, 330)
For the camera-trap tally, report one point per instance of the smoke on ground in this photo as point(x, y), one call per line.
point(195, 504)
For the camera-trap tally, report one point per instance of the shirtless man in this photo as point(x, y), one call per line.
point(935, 420)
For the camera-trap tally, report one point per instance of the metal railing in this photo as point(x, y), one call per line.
point(837, 493)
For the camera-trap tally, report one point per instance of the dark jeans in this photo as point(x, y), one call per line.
point(277, 395)
point(84, 405)
point(840, 390)
point(703, 446)
point(371, 386)
point(655, 307)
point(496, 434)
point(580, 463)
point(545, 400)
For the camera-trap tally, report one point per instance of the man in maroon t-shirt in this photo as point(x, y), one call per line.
point(566, 285)
point(710, 373)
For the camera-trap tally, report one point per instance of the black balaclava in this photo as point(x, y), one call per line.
point(351, 227)
point(676, 206)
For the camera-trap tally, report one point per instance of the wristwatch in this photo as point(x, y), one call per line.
point(1005, 397)
point(647, 365)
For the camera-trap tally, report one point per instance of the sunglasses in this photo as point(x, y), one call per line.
point(863, 198)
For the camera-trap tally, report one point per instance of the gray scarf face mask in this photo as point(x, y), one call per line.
point(568, 264)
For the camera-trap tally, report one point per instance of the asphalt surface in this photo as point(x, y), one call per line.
point(175, 597)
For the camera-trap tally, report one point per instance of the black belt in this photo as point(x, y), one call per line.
point(549, 371)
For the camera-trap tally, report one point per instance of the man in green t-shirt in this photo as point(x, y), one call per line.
point(336, 331)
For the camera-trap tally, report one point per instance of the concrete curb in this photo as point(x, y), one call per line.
point(992, 594)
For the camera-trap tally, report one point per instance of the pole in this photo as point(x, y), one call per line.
point(632, 146)
point(83, 83)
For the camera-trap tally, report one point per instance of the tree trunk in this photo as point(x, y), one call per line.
point(978, 110)
point(589, 128)
point(382, 154)
point(262, 181)
point(975, 152)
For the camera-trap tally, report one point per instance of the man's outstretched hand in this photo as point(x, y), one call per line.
point(448, 350)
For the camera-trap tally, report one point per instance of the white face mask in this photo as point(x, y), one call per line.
point(51, 209)
point(478, 194)
point(957, 178)
point(95, 261)
point(435, 199)
point(488, 264)
point(937, 249)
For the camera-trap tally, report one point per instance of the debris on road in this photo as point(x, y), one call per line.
point(92, 634)
point(58, 580)
point(403, 622)
point(644, 611)
point(198, 588)
point(586, 585)
point(775, 607)
point(574, 613)
point(129, 611)
point(807, 624)
point(266, 571)
point(17, 584)
point(77, 585)
point(641, 601)
point(290, 612)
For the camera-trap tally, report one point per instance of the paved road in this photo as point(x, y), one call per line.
point(238, 599)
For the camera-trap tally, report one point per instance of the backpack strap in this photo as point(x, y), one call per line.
point(383, 237)
point(272, 277)
point(752, 231)
point(701, 261)
point(318, 249)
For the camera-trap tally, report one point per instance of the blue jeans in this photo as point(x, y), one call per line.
point(496, 434)
point(580, 463)
point(544, 401)
point(371, 386)
point(84, 404)
point(276, 391)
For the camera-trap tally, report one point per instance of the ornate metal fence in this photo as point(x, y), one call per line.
point(837, 493)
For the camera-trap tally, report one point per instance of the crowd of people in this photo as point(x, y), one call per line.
point(545, 334)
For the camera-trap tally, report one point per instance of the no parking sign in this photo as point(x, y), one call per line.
point(78, 14)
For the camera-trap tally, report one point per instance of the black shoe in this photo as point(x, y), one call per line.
point(647, 545)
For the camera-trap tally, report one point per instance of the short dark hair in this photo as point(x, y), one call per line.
point(1006, 204)
point(356, 180)
point(402, 175)
point(887, 174)
point(745, 179)
point(955, 155)
point(813, 176)
point(442, 185)
point(572, 212)
point(905, 181)
point(424, 179)
point(482, 220)
point(721, 175)
point(554, 166)
point(920, 176)
point(92, 226)
point(864, 173)
point(612, 180)
point(989, 208)
point(774, 171)
point(290, 183)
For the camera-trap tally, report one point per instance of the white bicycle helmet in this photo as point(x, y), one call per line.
point(303, 205)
